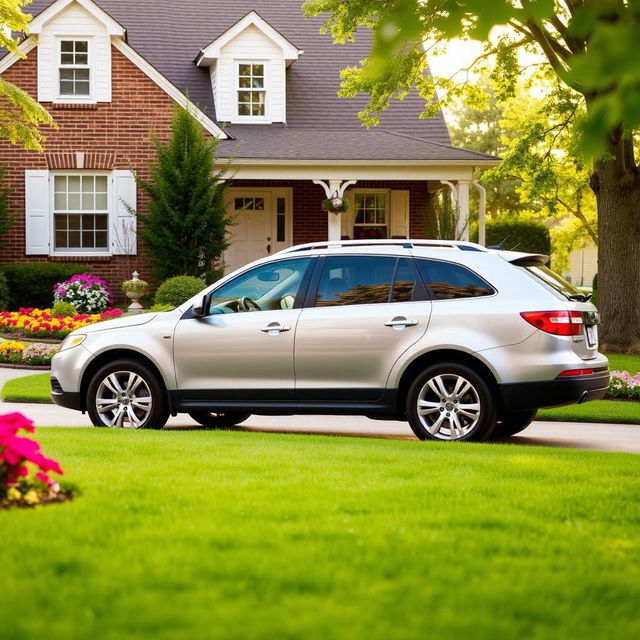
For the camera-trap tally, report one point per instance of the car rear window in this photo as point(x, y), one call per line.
point(553, 280)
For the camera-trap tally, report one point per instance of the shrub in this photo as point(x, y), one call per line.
point(85, 292)
point(4, 292)
point(213, 275)
point(175, 291)
point(529, 236)
point(624, 385)
point(160, 307)
point(31, 283)
point(65, 309)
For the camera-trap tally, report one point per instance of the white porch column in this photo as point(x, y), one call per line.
point(334, 189)
point(462, 230)
point(482, 214)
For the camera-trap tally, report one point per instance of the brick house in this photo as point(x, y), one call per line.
point(259, 77)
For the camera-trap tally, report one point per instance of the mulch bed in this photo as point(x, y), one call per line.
point(63, 496)
point(18, 336)
point(34, 367)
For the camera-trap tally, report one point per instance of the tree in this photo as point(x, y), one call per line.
point(20, 115)
point(184, 229)
point(592, 47)
point(6, 217)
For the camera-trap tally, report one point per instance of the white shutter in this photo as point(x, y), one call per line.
point(399, 210)
point(123, 222)
point(37, 215)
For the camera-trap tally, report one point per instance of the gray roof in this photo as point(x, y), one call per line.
point(170, 34)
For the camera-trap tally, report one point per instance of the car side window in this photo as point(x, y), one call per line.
point(355, 280)
point(267, 287)
point(404, 284)
point(448, 281)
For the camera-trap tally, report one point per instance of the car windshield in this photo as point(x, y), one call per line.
point(553, 280)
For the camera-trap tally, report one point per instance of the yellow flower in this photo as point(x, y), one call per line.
point(14, 495)
point(31, 497)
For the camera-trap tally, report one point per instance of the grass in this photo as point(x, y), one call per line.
point(622, 362)
point(224, 535)
point(614, 411)
point(32, 388)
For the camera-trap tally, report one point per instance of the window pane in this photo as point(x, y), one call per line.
point(66, 45)
point(257, 83)
point(74, 239)
point(404, 283)
point(88, 184)
point(257, 110)
point(244, 96)
point(81, 89)
point(74, 202)
point(101, 222)
point(281, 204)
point(355, 280)
point(244, 69)
point(258, 204)
point(66, 88)
point(101, 240)
point(102, 202)
point(244, 82)
point(61, 240)
point(81, 45)
point(448, 281)
point(73, 222)
point(244, 110)
point(60, 201)
point(88, 202)
point(257, 69)
point(270, 286)
point(81, 74)
point(66, 58)
point(81, 58)
point(101, 184)
point(88, 239)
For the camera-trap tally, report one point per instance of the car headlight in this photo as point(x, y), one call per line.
point(72, 341)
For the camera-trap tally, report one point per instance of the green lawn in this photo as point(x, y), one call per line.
point(31, 388)
point(622, 362)
point(616, 411)
point(227, 535)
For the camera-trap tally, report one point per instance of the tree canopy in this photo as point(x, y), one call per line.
point(20, 115)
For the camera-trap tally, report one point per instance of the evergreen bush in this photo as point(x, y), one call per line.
point(4, 292)
point(177, 290)
point(519, 234)
point(184, 229)
point(31, 283)
point(65, 309)
point(6, 217)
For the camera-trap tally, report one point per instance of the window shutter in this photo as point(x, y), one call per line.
point(123, 229)
point(37, 214)
point(399, 226)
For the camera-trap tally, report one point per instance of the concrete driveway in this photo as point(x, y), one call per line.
point(602, 437)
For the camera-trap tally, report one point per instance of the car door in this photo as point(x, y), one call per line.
point(242, 349)
point(361, 314)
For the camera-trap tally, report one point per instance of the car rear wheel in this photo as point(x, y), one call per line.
point(127, 394)
point(215, 420)
point(515, 423)
point(450, 402)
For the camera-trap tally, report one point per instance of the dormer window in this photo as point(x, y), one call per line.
point(74, 69)
point(251, 89)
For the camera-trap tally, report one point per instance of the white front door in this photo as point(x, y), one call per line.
point(262, 224)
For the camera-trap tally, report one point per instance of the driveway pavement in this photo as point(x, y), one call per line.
point(602, 437)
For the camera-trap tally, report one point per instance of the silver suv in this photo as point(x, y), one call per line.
point(463, 342)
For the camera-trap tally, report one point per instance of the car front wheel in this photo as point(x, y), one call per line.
point(450, 402)
point(127, 394)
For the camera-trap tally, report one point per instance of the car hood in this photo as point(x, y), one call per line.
point(119, 323)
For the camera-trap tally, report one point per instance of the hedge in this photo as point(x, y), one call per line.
point(31, 283)
point(529, 236)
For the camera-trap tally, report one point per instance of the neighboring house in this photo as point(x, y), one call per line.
point(264, 81)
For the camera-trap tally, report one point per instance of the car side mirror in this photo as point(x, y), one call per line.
point(199, 310)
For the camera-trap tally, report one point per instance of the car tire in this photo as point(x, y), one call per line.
point(515, 423)
point(215, 420)
point(451, 402)
point(127, 394)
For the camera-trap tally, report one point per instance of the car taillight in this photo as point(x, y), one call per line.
point(559, 323)
point(575, 372)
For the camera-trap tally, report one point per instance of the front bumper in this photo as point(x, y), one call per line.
point(67, 399)
point(526, 396)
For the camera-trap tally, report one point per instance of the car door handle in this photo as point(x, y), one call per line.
point(274, 328)
point(400, 321)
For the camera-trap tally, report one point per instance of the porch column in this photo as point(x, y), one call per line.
point(334, 189)
point(462, 230)
point(482, 214)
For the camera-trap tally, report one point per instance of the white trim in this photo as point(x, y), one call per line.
point(24, 47)
point(212, 51)
point(170, 89)
point(113, 28)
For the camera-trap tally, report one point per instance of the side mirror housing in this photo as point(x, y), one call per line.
point(199, 310)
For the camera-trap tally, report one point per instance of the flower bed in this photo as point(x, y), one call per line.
point(39, 323)
point(624, 385)
point(19, 457)
point(33, 354)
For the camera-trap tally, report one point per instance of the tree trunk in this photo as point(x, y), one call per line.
point(616, 184)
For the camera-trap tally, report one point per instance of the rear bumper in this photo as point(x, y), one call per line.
point(526, 396)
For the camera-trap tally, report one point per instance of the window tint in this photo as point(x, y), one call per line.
point(448, 281)
point(269, 286)
point(405, 282)
point(355, 280)
point(553, 280)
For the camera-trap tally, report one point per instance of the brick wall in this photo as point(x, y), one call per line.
point(111, 135)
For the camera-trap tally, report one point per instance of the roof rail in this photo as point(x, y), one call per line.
point(405, 244)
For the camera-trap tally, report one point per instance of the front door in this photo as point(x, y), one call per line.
point(262, 224)
point(367, 311)
point(242, 350)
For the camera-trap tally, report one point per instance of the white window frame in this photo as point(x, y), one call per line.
point(236, 105)
point(387, 209)
point(52, 213)
point(66, 99)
